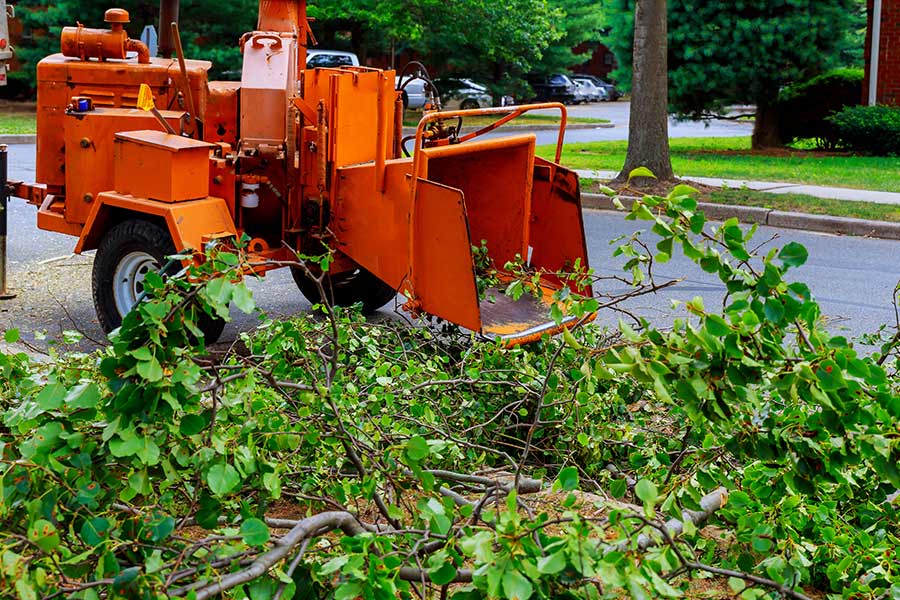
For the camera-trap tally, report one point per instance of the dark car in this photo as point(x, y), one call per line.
point(612, 94)
point(553, 88)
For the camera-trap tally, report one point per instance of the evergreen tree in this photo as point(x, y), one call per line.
point(723, 53)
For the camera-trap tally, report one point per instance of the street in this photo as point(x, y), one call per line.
point(618, 113)
point(853, 278)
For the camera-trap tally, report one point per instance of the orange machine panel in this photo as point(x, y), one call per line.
point(189, 222)
point(220, 119)
point(89, 153)
point(496, 177)
point(161, 166)
point(112, 84)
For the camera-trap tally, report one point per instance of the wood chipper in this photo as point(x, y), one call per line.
point(295, 159)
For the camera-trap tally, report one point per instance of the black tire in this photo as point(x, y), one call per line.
point(468, 104)
point(134, 246)
point(346, 289)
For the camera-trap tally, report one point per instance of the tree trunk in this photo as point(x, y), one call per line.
point(648, 125)
point(766, 132)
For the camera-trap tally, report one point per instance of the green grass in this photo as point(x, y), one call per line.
point(807, 204)
point(411, 120)
point(17, 123)
point(791, 202)
point(731, 158)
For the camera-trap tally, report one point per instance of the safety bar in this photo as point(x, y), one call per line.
point(513, 113)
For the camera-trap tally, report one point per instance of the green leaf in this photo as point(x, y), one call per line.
point(222, 479)
point(126, 443)
point(150, 370)
point(554, 563)
point(220, 291)
point(568, 478)
point(683, 190)
point(243, 298)
point(641, 172)
point(606, 191)
point(417, 448)
point(84, 395)
point(717, 326)
point(25, 590)
point(95, 531)
point(148, 451)
point(793, 254)
point(830, 376)
point(51, 397)
point(44, 535)
point(11, 336)
point(774, 310)
point(646, 491)
point(158, 527)
point(210, 510)
point(618, 487)
point(124, 580)
point(255, 532)
point(192, 425)
point(443, 574)
point(516, 586)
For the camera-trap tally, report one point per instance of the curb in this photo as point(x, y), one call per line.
point(18, 138)
point(772, 218)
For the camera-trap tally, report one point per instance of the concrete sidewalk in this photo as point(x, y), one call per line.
point(776, 187)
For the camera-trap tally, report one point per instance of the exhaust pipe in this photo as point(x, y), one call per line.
point(168, 14)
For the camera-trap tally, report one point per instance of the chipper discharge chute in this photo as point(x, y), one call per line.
point(415, 225)
point(294, 159)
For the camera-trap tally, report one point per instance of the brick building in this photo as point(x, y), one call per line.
point(886, 86)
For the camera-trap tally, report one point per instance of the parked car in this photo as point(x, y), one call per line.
point(330, 59)
point(612, 94)
point(553, 88)
point(414, 93)
point(463, 94)
point(584, 94)
point(590, 89)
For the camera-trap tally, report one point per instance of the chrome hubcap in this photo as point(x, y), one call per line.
point(128, 280)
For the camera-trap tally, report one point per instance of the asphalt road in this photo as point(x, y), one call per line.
point(853, 278)
point(618, 114)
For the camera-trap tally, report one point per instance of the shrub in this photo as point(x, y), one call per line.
point(804, 108)
point(869, 129)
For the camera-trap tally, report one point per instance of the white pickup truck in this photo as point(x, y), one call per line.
point(6, 53)
point(414, 95)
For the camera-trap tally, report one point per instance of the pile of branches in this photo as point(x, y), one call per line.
point(328, 457)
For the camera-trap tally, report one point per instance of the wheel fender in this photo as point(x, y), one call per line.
point(190, 223)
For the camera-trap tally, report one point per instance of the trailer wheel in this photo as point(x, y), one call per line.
point(346, 289)
point(126, 254)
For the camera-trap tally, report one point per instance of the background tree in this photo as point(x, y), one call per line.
point(648, 124)
point(210, 29)
point(582, 22)
point(495, 42)
point(726, 53)
point(366, 26)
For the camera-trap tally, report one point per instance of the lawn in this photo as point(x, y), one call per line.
point(17, 123)
point(791, 203)
point(731, 158)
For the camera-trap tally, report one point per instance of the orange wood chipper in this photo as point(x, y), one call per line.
point(295, 159)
